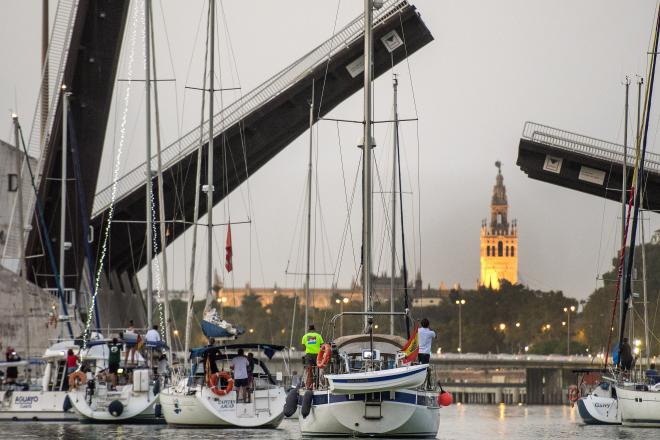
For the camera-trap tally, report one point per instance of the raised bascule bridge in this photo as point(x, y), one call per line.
point(251, 131)
point(584, 163)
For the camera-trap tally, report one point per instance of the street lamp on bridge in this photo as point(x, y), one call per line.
point(460, 303)
point(568, 311)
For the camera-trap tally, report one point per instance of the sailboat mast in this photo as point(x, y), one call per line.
point(198, 180)
point(148, 235)
point(209, 164)
point(638, 177)
point(65, 142)
point(624, 198)
point(395, 85)
point(309, 207)
point(366, 162)
point(22, 291)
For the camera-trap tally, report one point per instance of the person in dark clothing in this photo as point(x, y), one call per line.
point(250, 371)
point(114, 357)
point(211, 356)
point(625, 355)
point(652, 375)
point(12, 372)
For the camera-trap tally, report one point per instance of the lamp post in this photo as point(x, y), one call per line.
point(341, 303)
point(460, 303)
point(568, 311)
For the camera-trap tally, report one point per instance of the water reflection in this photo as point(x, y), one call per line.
point(457, 422)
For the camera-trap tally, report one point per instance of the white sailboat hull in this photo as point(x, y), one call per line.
point(203, 408)
point(599, 410)
point(411, 376)
point(639, 408)
point(138, 407)
point(34, 406)
point(402, 413)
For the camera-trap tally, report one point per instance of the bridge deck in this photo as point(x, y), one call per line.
point(583, 163)
point(265, 121)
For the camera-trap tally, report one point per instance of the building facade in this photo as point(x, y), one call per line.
point(499, 240)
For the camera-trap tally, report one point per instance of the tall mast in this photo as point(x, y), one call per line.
point(161, 198)
point(366, 162)
point(395, 84)
point(198, 181)
point(638, 177)
point(148, 238)
point(640, 81)
point(209, 170)
point(309, 206)
point(624, 198)
point(21, 238)
point(65, 143)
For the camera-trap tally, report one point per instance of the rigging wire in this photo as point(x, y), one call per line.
point(115, 174)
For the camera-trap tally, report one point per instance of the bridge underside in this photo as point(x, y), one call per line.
point(90, 76)
point(264, 132)
point(583, 164)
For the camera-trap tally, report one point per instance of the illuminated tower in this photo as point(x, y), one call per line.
point(499, 240)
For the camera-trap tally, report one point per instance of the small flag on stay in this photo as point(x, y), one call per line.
point(229, 253)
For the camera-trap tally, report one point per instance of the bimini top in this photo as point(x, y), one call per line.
point(268, 349)
point(356, 343)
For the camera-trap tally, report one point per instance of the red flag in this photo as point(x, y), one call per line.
point(411, 349)
point(229, 254)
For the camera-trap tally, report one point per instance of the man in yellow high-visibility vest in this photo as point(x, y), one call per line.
point(312, 342)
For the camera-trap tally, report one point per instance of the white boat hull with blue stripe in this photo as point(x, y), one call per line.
point(412, 376)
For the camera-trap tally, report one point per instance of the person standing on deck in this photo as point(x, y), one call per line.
point(239, 364)
point(426, 336)
point(312, 342)
point(114, 357)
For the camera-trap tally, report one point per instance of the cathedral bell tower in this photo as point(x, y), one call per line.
point(499, 240)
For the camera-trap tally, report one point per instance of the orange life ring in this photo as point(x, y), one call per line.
point(77, 377)
point(323, 357)
point(213, 382)
point(573, 394)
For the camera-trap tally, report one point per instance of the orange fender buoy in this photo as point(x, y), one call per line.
point(76, 378)
point(573, 394)
point(215, 378)
point(323, 357)
point(445, 398)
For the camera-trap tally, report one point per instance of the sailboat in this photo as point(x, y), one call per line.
point(639, 402)
point(369, 389)
point(199, 397)
point(135, 398)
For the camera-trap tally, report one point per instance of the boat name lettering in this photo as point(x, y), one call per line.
point(226, 404)
point(26, 401)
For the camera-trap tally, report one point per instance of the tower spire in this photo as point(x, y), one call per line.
point(499, 239)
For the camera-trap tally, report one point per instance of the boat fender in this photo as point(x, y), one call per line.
point(573, 394)
point(445, 398)
point(323, 357)
point(156, 387)
point(116, 408)
point(291, 403)
point(158, 411)
point(306, 407)
point(66, 405)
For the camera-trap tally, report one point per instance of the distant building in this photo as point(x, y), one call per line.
point(499, 240)
point(9, 229)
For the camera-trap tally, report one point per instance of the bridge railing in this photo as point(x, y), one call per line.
point(44, 115)
point(590, 146)
point(236, 111)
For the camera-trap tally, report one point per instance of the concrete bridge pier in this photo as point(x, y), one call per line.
point(544, 386)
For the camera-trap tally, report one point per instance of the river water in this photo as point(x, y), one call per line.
point(456, 423)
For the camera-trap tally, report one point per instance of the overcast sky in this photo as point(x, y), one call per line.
point(492, 66)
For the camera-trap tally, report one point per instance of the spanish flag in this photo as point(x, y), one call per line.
point(411, 349)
